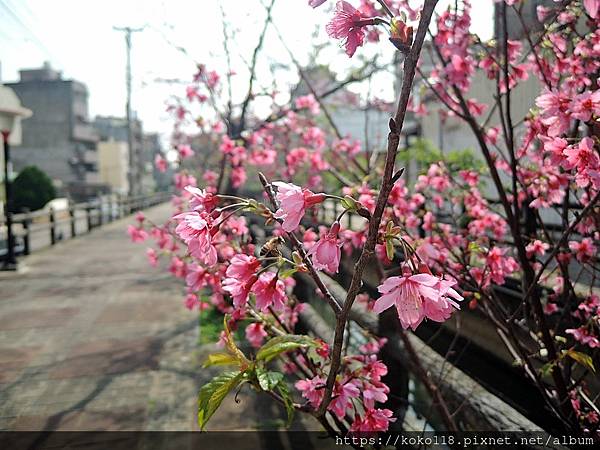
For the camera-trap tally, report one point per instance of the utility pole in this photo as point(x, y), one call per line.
point(133, 156)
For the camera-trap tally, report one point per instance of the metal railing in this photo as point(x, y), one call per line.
point(39, 229)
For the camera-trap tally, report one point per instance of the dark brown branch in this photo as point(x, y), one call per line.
point(410, 64)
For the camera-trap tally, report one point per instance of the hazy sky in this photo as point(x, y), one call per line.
point(77, 37)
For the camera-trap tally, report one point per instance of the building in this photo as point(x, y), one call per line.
point(113, 165)
point(513, 23)
point(367, 123)
point(140, 164)
point(59, 138)
point(161, 181)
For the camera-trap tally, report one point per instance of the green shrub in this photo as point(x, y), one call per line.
point(32, 189)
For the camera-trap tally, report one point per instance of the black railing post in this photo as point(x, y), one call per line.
point(88, 216)
point(111, 206)
point(26, 242)
point(52, 227)
point(73, 219)
point(100, 212)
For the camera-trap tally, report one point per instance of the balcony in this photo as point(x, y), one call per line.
point(85, 132)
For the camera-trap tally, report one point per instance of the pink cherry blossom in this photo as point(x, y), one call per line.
point(326, 253)
point(238, 176)
point(441, 307)
point(192, 302)
point(183, 179)
point(554, 108)
point(269, 291)
point(315, 3)
point(417, 296)
point(308, 102)
point(583, 157)
point(312, 390)
point(242, 267)
point(294, 201)
point(152, 257)
point(178, 267)
point(550, 308)
point(343, 393)
point(372, 421)
point(585, 105)
point(212, 79)
point(195, 229)
point(137, 234)
point(201, 199)
point(583, 250)
point(237, 225)
point(191, 92)
point(262, 157)
point(210, 177)
point(536, 247)
point(185, 151)
point(347, 24)
point(196, 277)
point(583, 335)
point(374, 391)
point(255, 333)
point(239, 289)
point(160, 163)
point(592, 7)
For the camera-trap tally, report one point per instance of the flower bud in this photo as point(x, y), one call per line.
point(335, 229)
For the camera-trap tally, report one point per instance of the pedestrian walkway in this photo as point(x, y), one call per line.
point(93, 338)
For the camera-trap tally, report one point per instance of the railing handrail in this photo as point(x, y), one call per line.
point(97, 212)
point(45, 212)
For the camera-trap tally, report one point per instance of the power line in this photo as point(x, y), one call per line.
point(20, 22)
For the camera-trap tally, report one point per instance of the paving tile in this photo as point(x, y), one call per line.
point(93, 338)
point(36, 318)
point(109, 357)
point(13, 360)
point(147, 311)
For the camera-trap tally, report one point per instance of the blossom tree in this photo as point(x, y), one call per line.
point(427, 265)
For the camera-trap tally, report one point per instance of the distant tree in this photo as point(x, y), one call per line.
point(32, 189)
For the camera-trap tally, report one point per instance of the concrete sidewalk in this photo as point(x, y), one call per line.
point(93, 338)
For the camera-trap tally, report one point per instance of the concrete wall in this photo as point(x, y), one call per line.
point(360, 124)
point(46, 135)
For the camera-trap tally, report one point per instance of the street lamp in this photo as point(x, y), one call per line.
point(10, 112)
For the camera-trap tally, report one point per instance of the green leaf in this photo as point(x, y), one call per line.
point(283, 391)
point(233, 349)
point(389, 249)
point(220, 359)
point(287, 273)
point(268, 380)
point(474, 247)
point(349, 203)
point(581, 358)
point(212, 394)
point(281, 344)
point(546, 369)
